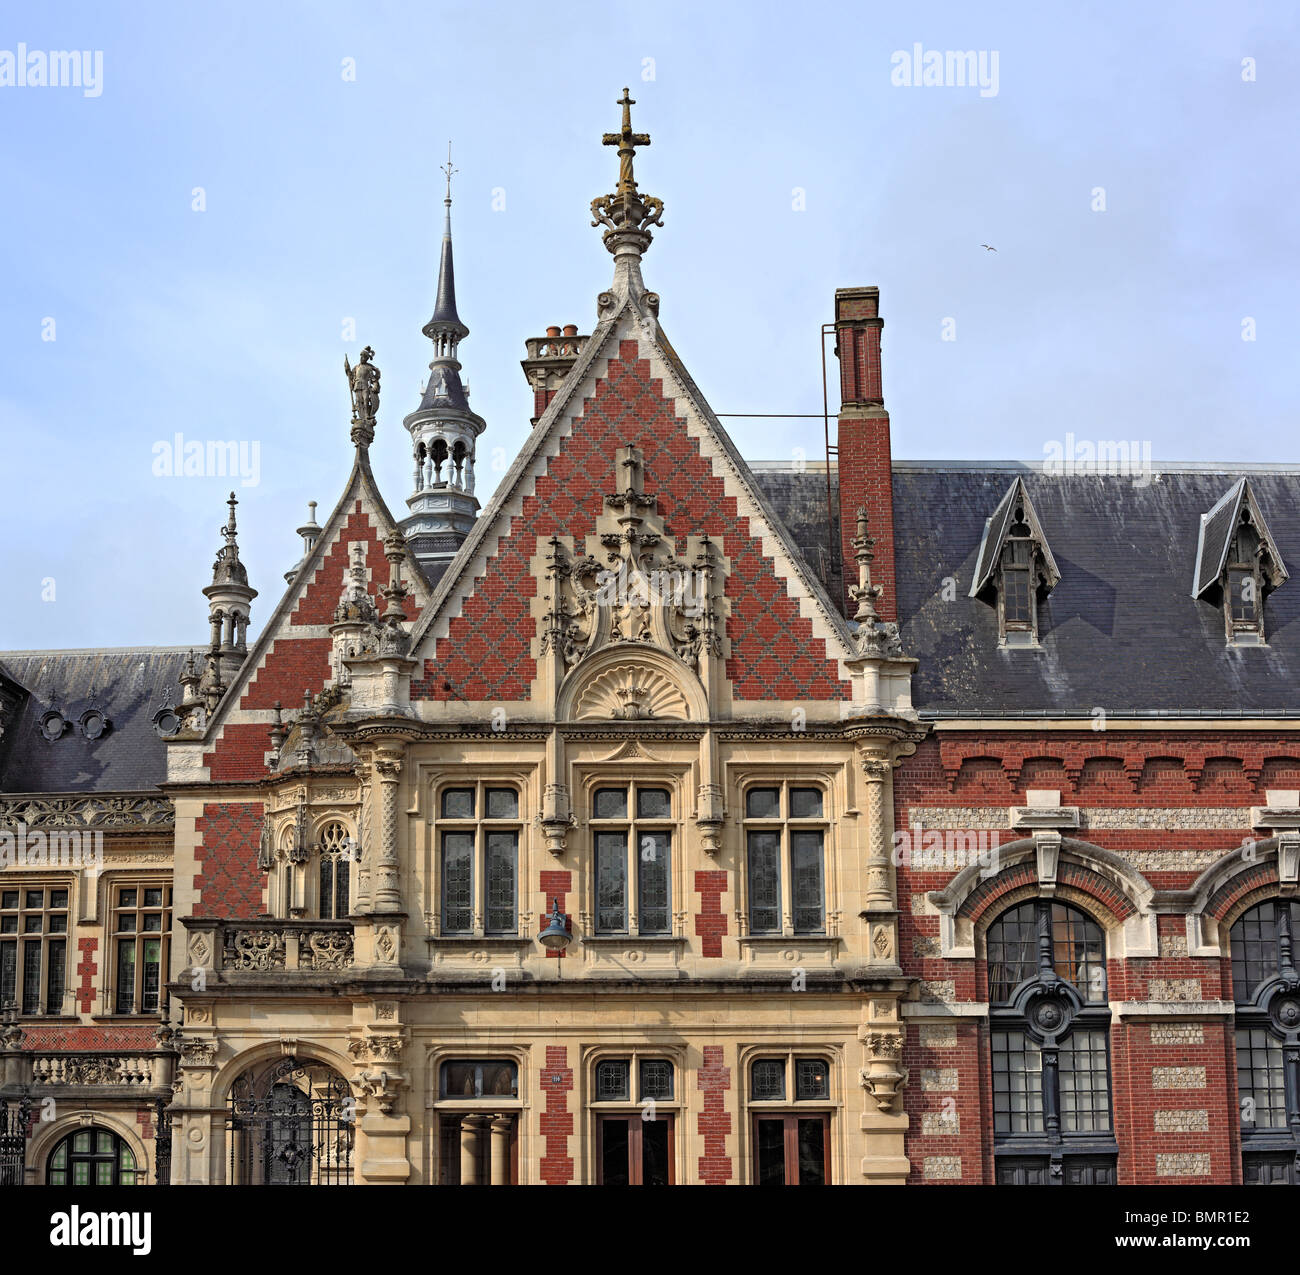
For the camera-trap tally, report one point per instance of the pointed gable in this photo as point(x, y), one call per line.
point(996, 530)
point(292, 654)
point(785, 639)
point(1215, 539)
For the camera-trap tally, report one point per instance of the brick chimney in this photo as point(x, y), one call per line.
point(865, 476)
point(549, 359)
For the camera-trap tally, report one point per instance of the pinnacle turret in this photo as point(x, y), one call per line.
point(443, 430)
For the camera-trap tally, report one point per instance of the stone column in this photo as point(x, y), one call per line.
point(469, 1128)
point(387, 885)
point(880, 903)
point(501, 1126)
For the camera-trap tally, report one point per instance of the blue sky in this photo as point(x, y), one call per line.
point(323, 203)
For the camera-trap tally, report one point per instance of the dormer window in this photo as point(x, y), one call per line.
point(1237, 564)
point(1014, 570)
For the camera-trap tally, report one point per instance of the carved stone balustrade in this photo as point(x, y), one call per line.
point(134, 1071)
point(268, 945)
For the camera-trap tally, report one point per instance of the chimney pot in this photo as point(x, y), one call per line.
point(570, 329)
point(553, 331)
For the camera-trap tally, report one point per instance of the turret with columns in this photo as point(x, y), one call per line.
point(444, 432)
point(229, 596)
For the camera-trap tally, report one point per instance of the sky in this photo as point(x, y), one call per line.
point(248, 192)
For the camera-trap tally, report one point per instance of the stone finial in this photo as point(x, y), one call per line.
point(864, 593)
point(627, 215)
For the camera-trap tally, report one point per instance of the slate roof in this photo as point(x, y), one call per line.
point(129, 685)
point(1120, 631)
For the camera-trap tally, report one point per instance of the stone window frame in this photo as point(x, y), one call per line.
point(293, 889)
point(785, 778)
point(480, 780)
point(675, 777)
point(21, 939)
point(140, 880)
point(1252, 1017)
point(439, 1108)
point(834, 1107)
point(676, 1106)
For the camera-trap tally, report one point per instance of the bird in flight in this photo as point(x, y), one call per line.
point(989, 246)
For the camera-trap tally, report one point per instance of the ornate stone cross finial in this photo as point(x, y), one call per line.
point(626, 209)
point(627, 141)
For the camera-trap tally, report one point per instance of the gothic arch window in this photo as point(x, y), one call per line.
point(1049, 1028)
point(1266, 995)
point(92, 1157)
point(334, 872)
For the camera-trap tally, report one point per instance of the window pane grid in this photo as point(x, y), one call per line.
point(1085, 1083)
point(640, 889)
point(479, 861)
point(786, 845)
point(1017, 1083)
point(33, 967)
point(1260, 1079)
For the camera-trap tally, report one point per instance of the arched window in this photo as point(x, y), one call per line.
point(334, 872)
point(1049, 1044)
point(92, 1157)
point(1266, 993)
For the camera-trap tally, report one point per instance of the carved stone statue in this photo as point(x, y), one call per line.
point(363, 381)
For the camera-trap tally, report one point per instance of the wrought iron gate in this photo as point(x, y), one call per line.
point(292, 1126)
point(15, 1115)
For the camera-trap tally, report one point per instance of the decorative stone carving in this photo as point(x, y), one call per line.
point(254, 950)
point(386, 944)
point(627, 584)
point(197, 1052)
point(630, 693)
point(326, 950)
point(711, 816)
point(200, 949)
point(363, 384)
point(884, 1075)
point(98, 811)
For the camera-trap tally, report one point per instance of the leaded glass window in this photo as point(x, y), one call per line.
point(478, 860)
point(33, 948)
point(785, 859)
point(633, 833)
point(141, 935)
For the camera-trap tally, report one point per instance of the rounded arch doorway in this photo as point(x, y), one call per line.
point(291, 1124)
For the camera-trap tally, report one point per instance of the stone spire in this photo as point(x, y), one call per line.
point(444, 432)
point(229, 596)
point(628, 216)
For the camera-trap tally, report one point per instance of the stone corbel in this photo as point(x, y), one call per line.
point(710, 817)
point(383, 1087)
point(556, 818)
point(884, 1076)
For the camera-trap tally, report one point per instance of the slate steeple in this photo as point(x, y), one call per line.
point(443, 430)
